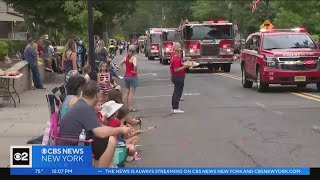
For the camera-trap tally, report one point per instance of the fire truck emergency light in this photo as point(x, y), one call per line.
point(283, 30)
point(298, 29)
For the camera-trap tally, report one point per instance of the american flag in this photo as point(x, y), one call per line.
point(254, 5)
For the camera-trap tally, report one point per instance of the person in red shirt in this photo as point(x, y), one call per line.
point(130, 77)
point(98, 108)
point(40, 48)
point(177, 69)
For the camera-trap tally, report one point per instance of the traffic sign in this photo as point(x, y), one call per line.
point(266, 25)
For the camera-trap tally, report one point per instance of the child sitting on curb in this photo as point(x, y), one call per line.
point(116, 95)
point(110, 111)
point(123, 115)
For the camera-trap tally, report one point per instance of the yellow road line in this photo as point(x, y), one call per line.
point(301, 94)
point(309, 94)
point(307, 97)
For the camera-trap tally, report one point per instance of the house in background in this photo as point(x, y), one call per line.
point(9, 20)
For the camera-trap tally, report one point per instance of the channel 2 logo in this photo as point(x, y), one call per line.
point(20, 156)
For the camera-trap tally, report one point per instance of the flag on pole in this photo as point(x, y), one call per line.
point(254, 5)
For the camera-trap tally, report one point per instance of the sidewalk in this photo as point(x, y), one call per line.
point(18, 125)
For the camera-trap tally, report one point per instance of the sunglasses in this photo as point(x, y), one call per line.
point(178, 50)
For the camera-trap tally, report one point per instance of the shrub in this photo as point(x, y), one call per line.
point(315, 36)
point(14, 46)
point(4, 49)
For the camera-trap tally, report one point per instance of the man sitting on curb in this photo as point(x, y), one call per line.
point(82, 116)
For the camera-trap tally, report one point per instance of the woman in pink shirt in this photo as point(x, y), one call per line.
point(177, 69)
point(130, 77)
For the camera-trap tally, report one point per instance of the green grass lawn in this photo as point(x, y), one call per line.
point(60, 49)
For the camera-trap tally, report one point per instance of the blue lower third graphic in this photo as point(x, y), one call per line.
point(160, 171)
point(61, 157)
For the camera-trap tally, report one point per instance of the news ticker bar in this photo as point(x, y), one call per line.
point(160, 171)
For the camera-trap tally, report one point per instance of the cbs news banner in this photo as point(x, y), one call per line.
point(77, 160)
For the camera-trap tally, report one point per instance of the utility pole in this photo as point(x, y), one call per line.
point(230, 11)
point(268, 9)
point(93, 73)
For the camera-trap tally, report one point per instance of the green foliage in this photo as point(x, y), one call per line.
point(125, 17)
point(78, 16)
point(315, 36)
point(119, 37)
point(14, 46)
point(4, 49)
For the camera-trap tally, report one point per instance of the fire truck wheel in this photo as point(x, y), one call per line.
point(301, 86)
point(165, 61)
point(150, 58)
point(318, 87)
point(226, 67)
point(262, 87)
point(244, 80)
point(187, 70)
point(216, 67)
point(160, 60)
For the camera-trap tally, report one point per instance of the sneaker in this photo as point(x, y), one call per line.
point(137, 156)
point(181, 99)
point(177, 111)
point(120, 77)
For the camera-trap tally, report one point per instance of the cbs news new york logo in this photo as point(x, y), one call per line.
point(20, 156)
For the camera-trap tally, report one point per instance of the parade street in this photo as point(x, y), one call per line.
point(225, 125)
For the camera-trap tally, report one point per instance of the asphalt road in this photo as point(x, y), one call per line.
point(225, 125)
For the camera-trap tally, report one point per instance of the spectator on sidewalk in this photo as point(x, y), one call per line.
point(82, 116)
point(113, 121)
point(69, 58)
point(116, 95)
point(74, 87)
point(103, 78)
point(47, 54)
point(131, 77)
point(31, 55)
point(86, 71)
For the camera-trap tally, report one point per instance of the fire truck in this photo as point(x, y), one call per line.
point(168, 37)
point(209, 43)
point(280, 56)
point(152, 48)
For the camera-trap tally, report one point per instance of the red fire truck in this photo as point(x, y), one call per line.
point(168, 37)
point(152, 48)
point(280, 56)
point(209, 43)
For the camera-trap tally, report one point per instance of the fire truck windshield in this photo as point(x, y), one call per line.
point(155, 38)
point(208, 32)
point(287, 41)
point(169, 36)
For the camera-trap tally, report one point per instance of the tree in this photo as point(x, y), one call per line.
point(78, 17)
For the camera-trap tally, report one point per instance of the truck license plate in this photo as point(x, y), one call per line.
point(299, 78)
